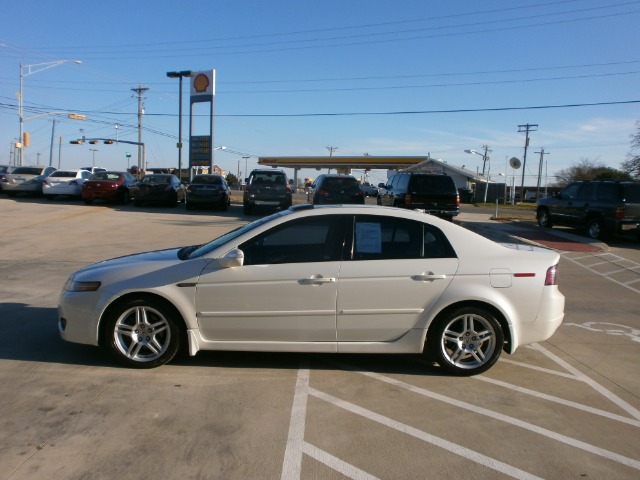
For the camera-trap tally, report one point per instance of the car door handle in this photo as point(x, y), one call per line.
point(427, 277)
point(316, 280)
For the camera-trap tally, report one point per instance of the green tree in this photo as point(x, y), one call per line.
point(632, 164)
point(588, 169)
point(232, 180)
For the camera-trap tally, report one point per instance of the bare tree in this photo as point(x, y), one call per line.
point(632, 164)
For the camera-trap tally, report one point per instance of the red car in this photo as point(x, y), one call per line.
point(109, 186)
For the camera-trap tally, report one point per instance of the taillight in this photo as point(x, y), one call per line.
point(457, 200)
point(323, 192)
point(407, 200)
point(619, 212)
point(552, 276)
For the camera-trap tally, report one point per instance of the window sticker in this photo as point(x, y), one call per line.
point(368, 238)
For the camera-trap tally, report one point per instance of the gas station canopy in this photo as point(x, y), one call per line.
point(342, 163)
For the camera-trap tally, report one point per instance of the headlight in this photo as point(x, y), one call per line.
point(73, 286)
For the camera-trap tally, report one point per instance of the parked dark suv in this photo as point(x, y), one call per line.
point(336, 189)
point(434, 193)
point(600, 207)
point(266, 188)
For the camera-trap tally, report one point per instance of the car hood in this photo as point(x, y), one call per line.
point(142, 270)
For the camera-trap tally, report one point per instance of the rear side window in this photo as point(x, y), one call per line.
point(434, 184)
point(608, 192)
point(388, 238)
point(632, 193)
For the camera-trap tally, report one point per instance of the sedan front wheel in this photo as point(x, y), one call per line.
point(142, 333)
point(466, 341)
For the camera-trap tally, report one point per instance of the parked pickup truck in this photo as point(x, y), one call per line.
point(599, 207)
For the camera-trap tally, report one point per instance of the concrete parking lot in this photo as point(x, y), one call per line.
point(565, 408)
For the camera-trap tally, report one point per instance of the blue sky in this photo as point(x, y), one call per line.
point(293, 77)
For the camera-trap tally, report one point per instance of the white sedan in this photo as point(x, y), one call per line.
point(345, 279)
point(65, 182)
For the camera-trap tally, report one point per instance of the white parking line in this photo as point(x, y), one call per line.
point(336, 464)
point(292, 464)
point(426, 437)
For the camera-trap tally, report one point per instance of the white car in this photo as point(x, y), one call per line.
point(64, 182)
point(25, 180)
point(369, 190)
point(345, 279)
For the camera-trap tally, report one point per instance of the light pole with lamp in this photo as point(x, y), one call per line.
point(93, 151)
point(25, 71)
point(485, 159)
point(180, 75)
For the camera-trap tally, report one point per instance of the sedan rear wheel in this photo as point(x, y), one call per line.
point(466, 341)
point(142, 333)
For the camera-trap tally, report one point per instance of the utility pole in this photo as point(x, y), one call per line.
point(527, 128)
point(542, 154)
point(331, 150)
point(53, 133)
point(487, 149)
point(141, 161)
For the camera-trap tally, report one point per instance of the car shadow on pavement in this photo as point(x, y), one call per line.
point(30, 334)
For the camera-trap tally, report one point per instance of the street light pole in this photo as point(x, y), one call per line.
point(180, 75)
point(30, 70)
point(93, 151)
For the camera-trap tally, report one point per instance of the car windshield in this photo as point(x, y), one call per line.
point(27, 171)
point(199, 250)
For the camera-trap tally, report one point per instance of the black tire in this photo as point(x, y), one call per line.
point(465, 341)
point(188, 206)
point(124, 197)
point(173, 201)
point(248, 209)
point(544, 220)
point(87, 201)
point(137, 203)
point(224, 206)
point(142, 333)
point(595, 228)
point(11, 194)
point(50, 197)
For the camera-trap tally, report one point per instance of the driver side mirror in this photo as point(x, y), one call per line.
point(233, 258)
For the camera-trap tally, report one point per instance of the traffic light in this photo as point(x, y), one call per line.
point(76, 142)
point(25, 139)
point(93, 142)
point(108, 142)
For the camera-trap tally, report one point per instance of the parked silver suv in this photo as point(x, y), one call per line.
point(266, 188)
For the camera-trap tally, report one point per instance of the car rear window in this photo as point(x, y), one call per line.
point(433, 184)
point(207, 180)
point(340, 184)
point(105, 176)
point(27, 171)
point(269, 178)
point(63, 174)
point(156, 180)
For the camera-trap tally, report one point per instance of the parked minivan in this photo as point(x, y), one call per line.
point(434, 193)
point(601, 207)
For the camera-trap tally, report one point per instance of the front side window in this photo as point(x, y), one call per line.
point(306, 240)
point(388, 238)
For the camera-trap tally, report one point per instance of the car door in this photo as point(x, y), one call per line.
point(398, 269)
point(285, 291)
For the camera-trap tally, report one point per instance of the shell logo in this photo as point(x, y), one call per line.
point(201, 83)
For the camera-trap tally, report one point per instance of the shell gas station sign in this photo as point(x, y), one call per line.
point(203, 89)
